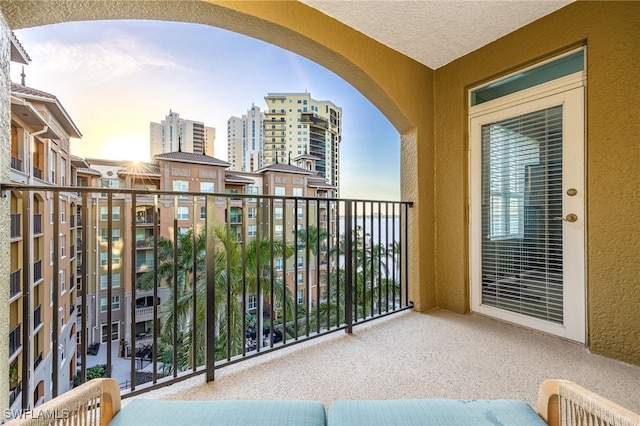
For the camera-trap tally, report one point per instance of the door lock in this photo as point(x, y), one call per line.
point(570, 218)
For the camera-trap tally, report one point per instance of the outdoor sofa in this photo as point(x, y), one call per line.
point(97, 402)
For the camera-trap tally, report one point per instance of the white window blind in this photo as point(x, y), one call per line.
point(521, 201)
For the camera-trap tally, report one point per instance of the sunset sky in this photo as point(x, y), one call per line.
point(115, 77)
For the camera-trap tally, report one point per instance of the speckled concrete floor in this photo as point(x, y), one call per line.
point(438, 354)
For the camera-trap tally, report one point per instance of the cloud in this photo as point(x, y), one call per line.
point(115, 55)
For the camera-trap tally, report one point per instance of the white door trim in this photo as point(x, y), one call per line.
point(569, 92)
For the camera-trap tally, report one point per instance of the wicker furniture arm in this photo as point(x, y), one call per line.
point(92, 403)
point(564, 403)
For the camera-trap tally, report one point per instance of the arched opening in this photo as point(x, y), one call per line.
point(402, 92)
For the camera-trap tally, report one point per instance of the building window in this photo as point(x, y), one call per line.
point(280, 190)
point(278, 264)
point(115, 303)
point(300, 262)
point(207, 187)
point(300, 296)
point(203, 212)
point(63, 173)
point(183, 213)
point(104, 280)
point(252, 213)
point(252, 190)
point(278, 213)
point(63, 210)
point(104, 235)
point(63, 285)
point(252, 230)
point(299, 279)
point(278, 230)
point(51, 253)
point(115, 213)
point(104, 258)
point(62, 239)
point(300, 212)
point(52, 166)
point(297, 192)
point(252, 301)
point(182, 186)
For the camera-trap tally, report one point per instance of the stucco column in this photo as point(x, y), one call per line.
point(5, 206)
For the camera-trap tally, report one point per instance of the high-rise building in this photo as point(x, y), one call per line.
point(175, 134)
point(293, 125)
point(245, 141)
point(296, 124)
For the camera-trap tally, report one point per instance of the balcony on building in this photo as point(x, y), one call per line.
point(17, 164)
point(15, 288)
point(15, 225)
point(37, 317)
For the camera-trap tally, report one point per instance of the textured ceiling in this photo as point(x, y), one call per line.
point(436, 32)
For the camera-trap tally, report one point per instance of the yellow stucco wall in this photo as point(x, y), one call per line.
point(611, 31)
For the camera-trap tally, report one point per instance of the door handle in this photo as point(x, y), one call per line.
point(570, 218)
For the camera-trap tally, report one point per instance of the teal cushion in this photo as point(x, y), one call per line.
point(414, 412)
point(228, 413)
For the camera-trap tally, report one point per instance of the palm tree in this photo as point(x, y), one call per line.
point(313, 236)
point(236, 273)
point(372, 287)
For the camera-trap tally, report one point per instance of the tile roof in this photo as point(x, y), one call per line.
point(306, 156)
point(238, 179)
point(285, 168)
point(19, 88)
point(88, 171)
point(140, 169)
point(189, 157)
point(319, 182)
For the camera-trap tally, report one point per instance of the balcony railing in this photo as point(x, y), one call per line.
point(37, 361)
point(37, 173)
point(15, 393)
point(37, 271)
point(37, 317)
point(226, 293)
point(14, 284)
point(14, 340)
point(16, 164)
point(37, 224)
point(15, 225)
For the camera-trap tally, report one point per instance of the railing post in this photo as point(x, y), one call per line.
point(348, 262)
point(26, 299)
point(210, 314)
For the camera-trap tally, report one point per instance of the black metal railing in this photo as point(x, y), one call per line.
point(14, 283)
point(14, 340)
point(15, 225)
point(296, 269)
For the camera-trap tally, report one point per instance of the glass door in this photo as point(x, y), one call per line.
point(527, 213)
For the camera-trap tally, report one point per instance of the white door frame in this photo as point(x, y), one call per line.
point(569, 92)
